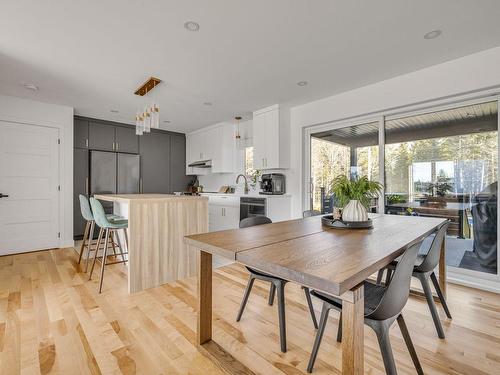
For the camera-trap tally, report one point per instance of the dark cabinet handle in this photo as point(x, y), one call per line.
point(3, 195)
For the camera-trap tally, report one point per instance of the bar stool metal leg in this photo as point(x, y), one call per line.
point(98, 244)
point(82, 247)
point(104, 254)
point(89, 244)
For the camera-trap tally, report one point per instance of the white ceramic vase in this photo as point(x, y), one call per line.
point(354, 211)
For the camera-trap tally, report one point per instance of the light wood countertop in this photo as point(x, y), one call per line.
point(144, 197)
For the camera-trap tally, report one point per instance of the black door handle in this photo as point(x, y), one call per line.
point(3, 195)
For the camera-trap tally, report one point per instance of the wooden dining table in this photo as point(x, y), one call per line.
point(334, 261)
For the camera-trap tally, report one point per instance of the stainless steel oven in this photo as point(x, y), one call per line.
point(250, 207)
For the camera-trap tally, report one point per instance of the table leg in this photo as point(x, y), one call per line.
point(442, 268)
point(353, 332)
point(204, 333)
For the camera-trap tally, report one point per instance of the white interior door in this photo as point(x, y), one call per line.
point(29, 176)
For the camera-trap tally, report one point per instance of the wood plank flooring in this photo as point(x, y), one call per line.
point(53, 321)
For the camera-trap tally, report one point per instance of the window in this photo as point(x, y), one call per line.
point(351, 151)
point(249, 161)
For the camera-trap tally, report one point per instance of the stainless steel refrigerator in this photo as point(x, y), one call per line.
point(114, 173)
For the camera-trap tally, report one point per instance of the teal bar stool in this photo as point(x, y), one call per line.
point(108, 227)
point(88, 233)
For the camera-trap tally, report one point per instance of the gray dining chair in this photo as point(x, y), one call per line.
point(383, 306)
point(423, 270)
point(277, 284)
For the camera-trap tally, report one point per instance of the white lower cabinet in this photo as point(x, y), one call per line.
point(223, 213)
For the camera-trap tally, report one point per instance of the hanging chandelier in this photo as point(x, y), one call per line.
point(149, 118)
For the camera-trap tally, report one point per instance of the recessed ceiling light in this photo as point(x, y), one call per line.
point(30, 86)
point(302, 83)
point(166, 121)
point(433, 34)
point(191, 26)
point(114, 111)
point(207, 104)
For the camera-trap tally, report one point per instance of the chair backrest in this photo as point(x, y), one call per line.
point(99, 214)
point(310, 213)
point(432, 258)
point(85, 208)
point(254, 220)
point(396, 294)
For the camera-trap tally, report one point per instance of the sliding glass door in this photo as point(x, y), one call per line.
point(351, 151)
point(441, 163)
point(444, 164)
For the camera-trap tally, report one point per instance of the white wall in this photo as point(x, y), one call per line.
point(37, 113)
point(472, 73)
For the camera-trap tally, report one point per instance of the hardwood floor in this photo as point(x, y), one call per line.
point(53, 321)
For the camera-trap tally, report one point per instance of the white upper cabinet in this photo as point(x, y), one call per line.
point(271, 138)
point(215, 144)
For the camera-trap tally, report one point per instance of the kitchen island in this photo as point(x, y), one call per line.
point(156, 230)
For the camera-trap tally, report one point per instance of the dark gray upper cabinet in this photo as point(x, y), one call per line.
point(178, 178)
point(80, 186)
point(81, 133)
point(101, 136)
point(155, 166)
point(126, 140)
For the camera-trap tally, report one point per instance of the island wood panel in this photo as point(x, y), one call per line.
point(334, 261)
point(157, 226)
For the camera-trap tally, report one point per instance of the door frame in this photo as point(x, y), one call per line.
point(60, 202)
point(475, 279)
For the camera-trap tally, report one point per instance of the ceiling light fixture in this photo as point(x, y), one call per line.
point(114, 111)
point(150, 117)
point(433, 34)
point(208, 104)
point(302, 83)
point(30, 86)
point(191, 26)
point(166, 121)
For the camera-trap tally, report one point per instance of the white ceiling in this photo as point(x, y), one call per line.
point(93, 54)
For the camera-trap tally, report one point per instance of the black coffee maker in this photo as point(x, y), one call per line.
point(272, 184)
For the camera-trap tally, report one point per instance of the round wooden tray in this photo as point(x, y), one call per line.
point(329, 221)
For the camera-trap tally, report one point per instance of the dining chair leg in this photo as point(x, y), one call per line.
point(82, 247)
point(272, 292)
point(119, 243)
point(382, 332)
point(388, 277)
point(98, 244)
point(89, 244)
point(112, 239)
point(440, 295)
point(339, 330)
point(430, 302)
point(319, 336)
point(409, 344)
point(248, 289)
point(380, 274)
point(126, 242)
point(281, 314)
point(103, 261)
point(311, 307)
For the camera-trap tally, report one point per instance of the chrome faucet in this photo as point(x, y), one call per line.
point(246, 182)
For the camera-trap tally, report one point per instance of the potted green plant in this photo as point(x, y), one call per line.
point(354, 196)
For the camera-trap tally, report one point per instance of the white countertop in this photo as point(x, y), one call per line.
point(252, 194)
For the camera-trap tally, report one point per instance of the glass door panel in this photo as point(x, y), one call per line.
point(444, 164)
point(351, 151)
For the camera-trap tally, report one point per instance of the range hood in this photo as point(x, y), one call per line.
point(201, 164)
